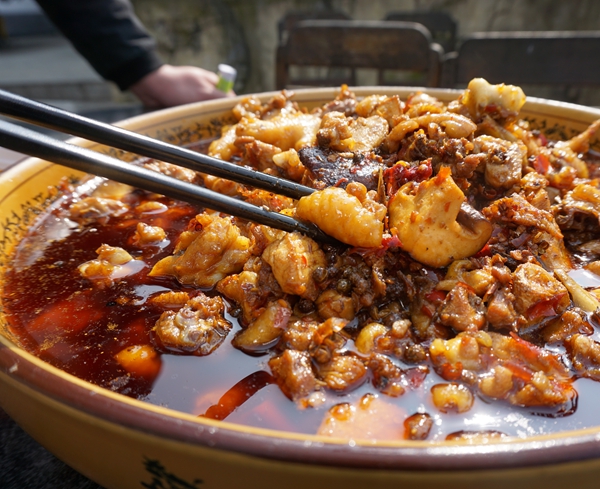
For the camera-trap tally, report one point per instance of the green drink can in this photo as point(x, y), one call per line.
point(227, 76)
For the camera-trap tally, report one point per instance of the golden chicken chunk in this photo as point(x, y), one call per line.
point(146, 234)
point(289, 162)
point(293, 260)
point(432, 222)
point(454, 125)
point(359, 135)
point(515, 211)
point(285, 131)
point(244, 289)
point(462, 309)
point(92, 208)
point(333, 304)
point(197, 328)
point(343, 216)
point(175, 171)
point(224, 147)
point(480, 98)
point(538, 294)
point(215, 252)
point(113, 263)
point(267, 328)
point(294, 375)
point(452, 397)
point(390, 108)
point(504, 161)
point(465, 351)
point(585, 355)
point(343, 373)
point(583, 200)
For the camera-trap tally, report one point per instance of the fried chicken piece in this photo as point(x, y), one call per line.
point(388, 378)
point(500, 101)
point(514, 211)
point(345, 102)
point(112, 263)
point(198, 328)
point(248, 292)
point(504, 161)
point(146, 234)
point(343, 373)
point(174, 171)
point(262, 333)
point(452, 397)
point(538, 295)
point(390, 108)
point(96, 208)
point(540, 390)
point(505, 367)
point(462, 309)
point(344, 216)
point(573, 321)
point(584, 353)
point(208, 255)
point(300, 334)
point(293, 373)
point(289, 164)
point(293, 260)
point(347, 134)
point(579, 209)
point(464, 352)
point(258, 155)
point(285, 131)
point(500, 311)
point(224, 147)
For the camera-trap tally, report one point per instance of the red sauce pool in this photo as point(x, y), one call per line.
point(63, 319)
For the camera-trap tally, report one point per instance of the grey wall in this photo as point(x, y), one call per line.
point(244, 32)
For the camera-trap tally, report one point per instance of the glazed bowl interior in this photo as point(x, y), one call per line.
point(29, 187)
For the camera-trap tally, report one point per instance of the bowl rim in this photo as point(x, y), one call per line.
point(32, 372)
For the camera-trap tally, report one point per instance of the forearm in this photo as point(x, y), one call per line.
point(109, 35)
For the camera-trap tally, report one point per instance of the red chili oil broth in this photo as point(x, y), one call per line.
point(65, 320)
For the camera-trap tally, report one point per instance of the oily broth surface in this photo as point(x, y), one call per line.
point(80, 328)
point(83, 336)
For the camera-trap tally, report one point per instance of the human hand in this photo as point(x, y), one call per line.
point(171, 85)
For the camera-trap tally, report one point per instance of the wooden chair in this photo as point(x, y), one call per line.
point(442, 25)
point(384, 46)
point(291, 19)
point(566, 59)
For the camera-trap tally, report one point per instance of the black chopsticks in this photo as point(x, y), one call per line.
point(33, 143)
point(51, 117)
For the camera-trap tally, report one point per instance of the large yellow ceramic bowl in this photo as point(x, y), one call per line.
point(124, 443)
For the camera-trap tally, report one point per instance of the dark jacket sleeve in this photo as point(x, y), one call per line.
point(108, 35)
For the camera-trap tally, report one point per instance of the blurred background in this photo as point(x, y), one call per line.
point(35, 61)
